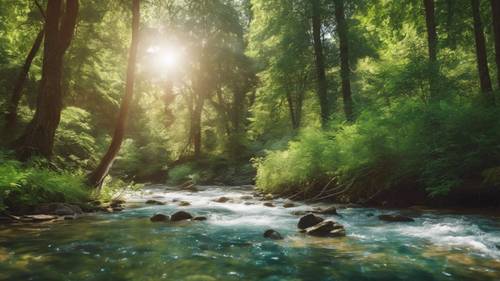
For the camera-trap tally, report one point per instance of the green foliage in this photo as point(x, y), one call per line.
point(33, 184)
point(181, 174)
point(439, 146)
point(114, 188)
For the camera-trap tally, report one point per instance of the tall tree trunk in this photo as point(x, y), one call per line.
point(345, 70)
point(495, 8)
point(320, 64)
point(59, 28)
point(432, 44)
point(11, 115)
point(97, 177)
point(482, 60)
point(196, 125)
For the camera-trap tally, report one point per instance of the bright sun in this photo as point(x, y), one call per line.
point(166, 57)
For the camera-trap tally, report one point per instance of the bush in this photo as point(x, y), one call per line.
point(438, 146)
point(181, 174)
point(32, 184)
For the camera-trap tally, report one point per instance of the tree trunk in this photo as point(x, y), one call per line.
point(196, 125)
point(11, 115)
point(432, 44)
point(482, 60)
point(345, 71)
point(59, 28)
point(495, 8)
point(320, 64)
point(97, 177)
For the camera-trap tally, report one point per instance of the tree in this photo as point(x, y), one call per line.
point(59, 29)
point(345, 71)
point(432, 45)
point(97, 177)
point(320, 63)
point(482, 59)
point(495, 8)
point(11, 115)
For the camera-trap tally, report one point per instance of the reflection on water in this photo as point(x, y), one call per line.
point(230, 246)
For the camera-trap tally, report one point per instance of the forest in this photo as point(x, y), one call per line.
point(369, 122)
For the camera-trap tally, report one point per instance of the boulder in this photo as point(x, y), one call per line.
point(273, 234)
point(326, 229)
point(269, 204)
point(289, 205)
point(154, 202)
point(308, 221)
point(116, 203)
point(221, 199)
point(159, 218)
point(395, 218)
point(200, 218)
point(181, 216)
point(184, 203)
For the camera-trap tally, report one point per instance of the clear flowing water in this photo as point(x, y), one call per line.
point(230, 246)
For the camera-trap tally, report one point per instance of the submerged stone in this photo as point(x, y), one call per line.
point(181, 216)
point(395, 218)
point(269, 204)
point(273, 234)
point(184, 203)
point(308, 221)
point(289, 205)
point(159, 218)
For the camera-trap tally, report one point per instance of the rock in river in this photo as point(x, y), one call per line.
point(154, 202)
point(326, 229)
point(328, 211)
point(308, 221)
point(269, 204)
point(184, 204)
point(221, 199)
point(395, 218)
point(273, 234)
point(200, 218)
point(181, 216)
point(288, 205)
point(159, 218)
point(58, 209)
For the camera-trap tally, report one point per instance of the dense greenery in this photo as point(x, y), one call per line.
point(326, 98)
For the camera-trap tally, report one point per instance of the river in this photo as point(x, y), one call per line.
point(230, 245)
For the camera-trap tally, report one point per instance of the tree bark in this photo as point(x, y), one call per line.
point(11, 115)
point(482, 60)
point(196, 125)
point(432, 45)
point(320, 64)
point(345, 70)
point(495, 8)
point(96, 178)
point(38, 138)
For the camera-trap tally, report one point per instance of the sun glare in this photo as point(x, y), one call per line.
point(167, 58)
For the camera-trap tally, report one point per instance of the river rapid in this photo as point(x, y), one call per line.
point(229, 245)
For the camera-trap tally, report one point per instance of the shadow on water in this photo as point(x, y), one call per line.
point(230, 246)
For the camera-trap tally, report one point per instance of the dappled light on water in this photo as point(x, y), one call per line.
point(230, 246)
